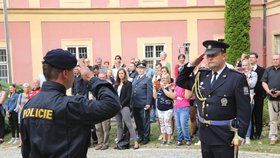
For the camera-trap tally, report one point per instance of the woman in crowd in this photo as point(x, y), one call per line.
point(164, 96)
point(181, 113)
point(2, 115)
point(124, 90)
point(179, 67)
point(252, 78)
point(165, 70)
point(12, 114)
point(22, 99)
point(163, 61)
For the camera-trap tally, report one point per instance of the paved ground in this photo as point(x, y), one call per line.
point(13, 152)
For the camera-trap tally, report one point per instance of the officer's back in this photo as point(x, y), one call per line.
point(56, 125)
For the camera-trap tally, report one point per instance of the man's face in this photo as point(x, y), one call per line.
point(276, 60)
point(76, 71)
point(253, 59)
point(99, 62)
point(12, 89)
point(118, 59)
point(158, 68)
point(141, 70)
point(95, 72)
point(216, 61)
point(132, 67)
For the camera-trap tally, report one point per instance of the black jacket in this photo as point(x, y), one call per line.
point(56, 125)
point(79, 86)
point(259, 91)
point(227, 99)
point(125, 95)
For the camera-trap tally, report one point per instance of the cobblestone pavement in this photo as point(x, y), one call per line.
point(13, 152)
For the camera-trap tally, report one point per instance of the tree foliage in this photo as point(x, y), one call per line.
point(237, 27)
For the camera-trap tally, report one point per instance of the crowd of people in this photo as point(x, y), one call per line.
point(152, 96)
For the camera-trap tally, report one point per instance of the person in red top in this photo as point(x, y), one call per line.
point(178, 67)
point(36, 89)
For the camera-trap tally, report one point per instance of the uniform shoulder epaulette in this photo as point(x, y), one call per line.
point(235, 71)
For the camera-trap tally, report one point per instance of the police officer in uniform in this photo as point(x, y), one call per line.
point(141, 101)
point(57, 125)
point(222, 97)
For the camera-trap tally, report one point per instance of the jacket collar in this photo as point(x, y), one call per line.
point(53, 86)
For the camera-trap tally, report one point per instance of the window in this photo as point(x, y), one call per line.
point(78, 51)
point(277, 44)
point(152, 54)
point(4, 77)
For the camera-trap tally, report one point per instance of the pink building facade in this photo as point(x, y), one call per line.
point(130, 28)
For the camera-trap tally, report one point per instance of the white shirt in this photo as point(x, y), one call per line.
point(254, 67)
point(218, 73)
point(119, 89)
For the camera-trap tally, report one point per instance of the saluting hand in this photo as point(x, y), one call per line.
point(85, 71)
point(198, 60)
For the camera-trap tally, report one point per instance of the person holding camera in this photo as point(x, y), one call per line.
point(252, 78)
point(271, 84)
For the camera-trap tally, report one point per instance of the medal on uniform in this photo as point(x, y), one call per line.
point(201, 83)
point(224, 101)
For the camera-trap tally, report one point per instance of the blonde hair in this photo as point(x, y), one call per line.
point(167, 76)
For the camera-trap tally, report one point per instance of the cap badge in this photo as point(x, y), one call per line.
point(209, 46)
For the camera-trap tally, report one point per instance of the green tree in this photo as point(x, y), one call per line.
point(237, 27)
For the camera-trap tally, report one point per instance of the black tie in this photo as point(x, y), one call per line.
point(214, 79)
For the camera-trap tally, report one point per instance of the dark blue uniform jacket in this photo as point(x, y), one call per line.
point(227, 99)
point(58, 126)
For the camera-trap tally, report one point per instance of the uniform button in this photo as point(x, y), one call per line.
point(209, 95)
point(206, 115)
point(207, 105)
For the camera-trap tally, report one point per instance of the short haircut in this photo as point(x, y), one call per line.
point(50, 72)
point(13, 85)
point(181, 55)
point(254, 53)
point(118, 56)
point(159, 64)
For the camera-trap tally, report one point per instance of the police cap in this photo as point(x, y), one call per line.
point(61, 59)
point(213, 47)
point(141, 64)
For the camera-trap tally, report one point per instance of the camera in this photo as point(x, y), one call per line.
point(273, 91)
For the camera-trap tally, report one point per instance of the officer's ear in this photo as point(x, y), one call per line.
point(67, 73)
point(224, 55)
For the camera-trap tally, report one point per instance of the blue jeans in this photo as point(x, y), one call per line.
point(248, 133)
point(182, 123)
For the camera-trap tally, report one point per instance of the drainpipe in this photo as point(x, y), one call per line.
point(264, 32)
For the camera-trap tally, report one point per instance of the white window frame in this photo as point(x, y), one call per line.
point(5, 78)
point(154, 58)
point(277, 43)
point(77, 49)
